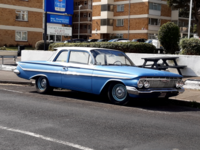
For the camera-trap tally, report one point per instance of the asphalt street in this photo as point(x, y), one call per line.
point(68, 120)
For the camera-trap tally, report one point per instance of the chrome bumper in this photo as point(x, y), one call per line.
point(134, 91)
point(16, 71)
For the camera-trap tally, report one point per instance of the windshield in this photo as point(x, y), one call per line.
point(111, 58)
point(52, 56)
point(113, 40)
point(148, 41)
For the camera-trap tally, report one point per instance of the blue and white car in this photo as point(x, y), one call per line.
point(99, 71)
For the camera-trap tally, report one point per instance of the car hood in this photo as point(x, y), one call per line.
point(138, 72)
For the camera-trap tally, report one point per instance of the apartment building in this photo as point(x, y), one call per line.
point(21, 22)
point(84, 8)
point(133, 19)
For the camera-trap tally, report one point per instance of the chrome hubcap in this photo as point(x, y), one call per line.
point(43, 83)
point(119, 92)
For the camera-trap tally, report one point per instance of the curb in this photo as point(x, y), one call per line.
point(188, 103)
point(16, 82)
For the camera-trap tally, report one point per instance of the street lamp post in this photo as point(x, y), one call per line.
point(190, 17)
point(79, 21)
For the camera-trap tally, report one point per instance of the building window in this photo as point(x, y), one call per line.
point(120, 22)
point(152, 36)
point(119, 35)
point(85, 15)
point(85, 3)
point(120, 8)
point(155, 22)
point(106, 7)
point(54, 38)
point(21, 15)
point(154, 6)
point(106, 22)
point(21, 36)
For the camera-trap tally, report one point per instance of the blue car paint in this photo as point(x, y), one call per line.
point(128, 75)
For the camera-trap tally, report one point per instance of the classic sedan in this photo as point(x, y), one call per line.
point(99, 71)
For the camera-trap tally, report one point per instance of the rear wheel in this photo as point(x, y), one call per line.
point(42, 85)
point(117, 94)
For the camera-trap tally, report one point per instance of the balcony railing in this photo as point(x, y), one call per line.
point(185, 29)
point(82, 31)
point(82, 19)
point(83, 7)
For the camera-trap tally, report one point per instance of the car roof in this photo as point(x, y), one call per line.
point(82, 48)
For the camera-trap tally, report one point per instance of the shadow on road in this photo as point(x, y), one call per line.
point(165, 105)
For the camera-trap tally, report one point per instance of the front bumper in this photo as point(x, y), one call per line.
point(135, 91)
point(16, 71)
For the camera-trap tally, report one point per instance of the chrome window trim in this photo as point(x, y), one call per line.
point(81, 51)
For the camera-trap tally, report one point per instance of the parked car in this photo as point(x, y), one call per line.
point(115, 40)
point(102, 40)
point(99, 71)
point(92, 40)
point(123, 41)
point(75, 41)
point(139, 40)
point(156, 43)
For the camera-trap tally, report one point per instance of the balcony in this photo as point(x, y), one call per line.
point(84, 7)
point(82, 31)
point(82, 19)
point(185, 30)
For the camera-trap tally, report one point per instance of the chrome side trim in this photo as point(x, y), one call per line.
point(134, 91)
point(37, 76)
point(77, 74)
point(16, 71)
point(37, 70)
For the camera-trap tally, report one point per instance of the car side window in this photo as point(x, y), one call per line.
point(62, 57)
point(79, 57)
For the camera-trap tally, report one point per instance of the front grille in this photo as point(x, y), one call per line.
point(162, 82)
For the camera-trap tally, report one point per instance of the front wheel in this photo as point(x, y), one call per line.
point(117, 94)
point(42, 85)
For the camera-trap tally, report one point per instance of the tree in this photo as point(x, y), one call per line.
point(169, 36)
point(184, 7)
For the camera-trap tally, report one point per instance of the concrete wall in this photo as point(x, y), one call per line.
point(28, 55)
point(192, 62)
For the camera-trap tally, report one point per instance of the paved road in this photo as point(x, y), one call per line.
point(66, 120)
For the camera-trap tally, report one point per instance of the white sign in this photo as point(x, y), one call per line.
point(65, 31)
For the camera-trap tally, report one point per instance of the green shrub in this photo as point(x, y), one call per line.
point(40, 45)
point(190, 46)
point(3, 48)
point(131, 47)
point(169, 36)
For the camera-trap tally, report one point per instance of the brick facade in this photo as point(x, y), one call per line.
point(9, 25)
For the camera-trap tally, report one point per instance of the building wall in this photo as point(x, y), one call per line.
point(8, 37)
point(9, 25)
point(8, 17)
point(135, 9)
point(29, 3)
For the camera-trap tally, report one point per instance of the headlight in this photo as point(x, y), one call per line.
point(179, 84)
point(146, 84)
point(140, 84)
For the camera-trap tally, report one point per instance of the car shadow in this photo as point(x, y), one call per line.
point(164, 105)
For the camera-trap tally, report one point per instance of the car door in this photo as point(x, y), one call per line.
point(78, 75)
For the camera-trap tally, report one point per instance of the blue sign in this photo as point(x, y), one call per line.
point(59, 6)
point(59, 19)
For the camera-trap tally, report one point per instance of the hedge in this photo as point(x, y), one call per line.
point(40, 45)
point(190, 46)
point(131, 47)
point(2, 48)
